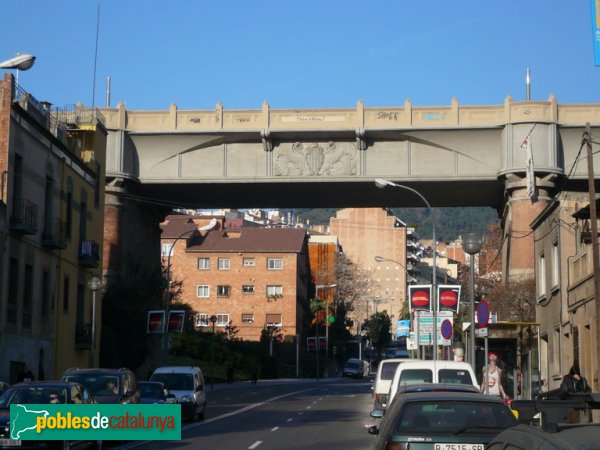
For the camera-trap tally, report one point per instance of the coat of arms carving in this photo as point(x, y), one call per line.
point(313, 159)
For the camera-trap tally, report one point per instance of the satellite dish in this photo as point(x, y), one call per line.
point(20, 62)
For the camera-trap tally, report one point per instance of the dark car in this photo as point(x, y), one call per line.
point(441, 420)
point(107, 385)
point(42, 392)
point(568, 437)
point(154, 392)
point(355, 368)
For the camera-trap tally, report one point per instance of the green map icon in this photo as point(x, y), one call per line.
point(25, 419)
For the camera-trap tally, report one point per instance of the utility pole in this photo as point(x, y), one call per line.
point(594, 229)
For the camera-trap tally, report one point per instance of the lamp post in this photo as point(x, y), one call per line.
point(471, 244)
point(381, 183)
point(94, 284)
point(317, 287)
point(168, 300)
point(415, 329)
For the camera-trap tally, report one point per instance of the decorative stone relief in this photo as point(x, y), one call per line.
point(313, 159)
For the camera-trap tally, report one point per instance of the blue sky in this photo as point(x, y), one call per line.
point(303, 54)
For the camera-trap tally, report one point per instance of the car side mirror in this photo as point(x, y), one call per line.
point(373, 429)
point(377, 413)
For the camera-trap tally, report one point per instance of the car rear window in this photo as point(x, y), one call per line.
point(388, 370)
point(416, 376)
point(441, 416)
point(175, 381)
point(457, 376)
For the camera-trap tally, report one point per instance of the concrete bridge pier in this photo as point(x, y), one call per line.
point(519, 212)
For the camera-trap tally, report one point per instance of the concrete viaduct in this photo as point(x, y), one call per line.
point(453, 155)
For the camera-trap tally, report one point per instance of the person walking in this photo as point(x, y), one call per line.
point(493, 378)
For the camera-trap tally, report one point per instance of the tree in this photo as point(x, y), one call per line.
point(378, 330)
point(354, 285)
point(515, 301)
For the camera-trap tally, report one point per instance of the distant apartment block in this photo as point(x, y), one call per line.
point(246, 278)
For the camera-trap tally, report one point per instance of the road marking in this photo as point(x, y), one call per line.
point(256, 444)
point(314, 403)
point(308, 407)
point(274, 428)
point(289, 420)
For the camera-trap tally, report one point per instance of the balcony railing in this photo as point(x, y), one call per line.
point(89, 254)
point(24, 217)
point(54, 235)
point(83, 336)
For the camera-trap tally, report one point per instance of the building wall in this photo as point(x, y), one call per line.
point(564, 291)
point(292, 278)
point(364, 233)
point(38, 161)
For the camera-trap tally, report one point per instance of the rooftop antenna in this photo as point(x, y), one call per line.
point(528, 82)
point(96, 56)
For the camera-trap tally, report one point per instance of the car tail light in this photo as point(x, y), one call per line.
point(391, 445)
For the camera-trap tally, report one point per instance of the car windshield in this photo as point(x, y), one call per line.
point(175, 381)
point(454, 376)
point(353, 365)
point(151, 390)
point(388, 370)
point(32, 395)
point(98, 384)
point(453, 417)
point(416, 376)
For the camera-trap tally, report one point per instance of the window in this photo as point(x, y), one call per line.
point(69, 224)
point(202, 320)
point(222, 320)
point(274, 291)
point(83, 217)
point(46, 293)
point(166, 250)
point(555, 264)
point(541, 272)
point(223, 263)
point(203, 263)
point(274, 320)
point(248, 262)
point(247, 318)
point(248, 289)
point(13, 291)
point(223, 291)
point(66, 294)
point(274, 263)
point(556, 356)
point(203, 291)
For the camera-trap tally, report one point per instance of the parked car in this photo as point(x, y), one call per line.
point(383, 378)
point(441, 420)
point(429, 371)
point(355, 368)
point(187, 384)
point(107, 385)
point(155, 392)
point(42, 392)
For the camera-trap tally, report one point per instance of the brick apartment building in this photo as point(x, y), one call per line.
point(247, 278)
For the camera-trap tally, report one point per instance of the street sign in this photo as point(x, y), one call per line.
point(446, 329)
point(481, 332)
point(426, 326)
point(483, 314)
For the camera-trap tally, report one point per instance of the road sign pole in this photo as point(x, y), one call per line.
point(486, 377)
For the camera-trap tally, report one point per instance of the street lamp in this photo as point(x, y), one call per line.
point(168, 300)
point(415, 329)
point(94, 284)
point(471, 244)
point(381, 183)
point(19, 62)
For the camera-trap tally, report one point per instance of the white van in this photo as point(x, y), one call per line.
point(187, 384)
point(418, 372)
point(383, 380)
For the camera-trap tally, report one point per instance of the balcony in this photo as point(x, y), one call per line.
point(54, 235)
point(89, 254)
point(83, 336)
point(24, 217)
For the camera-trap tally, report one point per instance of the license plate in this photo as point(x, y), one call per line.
point(456, 446)
point(10, 443)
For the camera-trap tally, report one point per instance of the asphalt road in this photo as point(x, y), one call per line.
point(274, 415)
